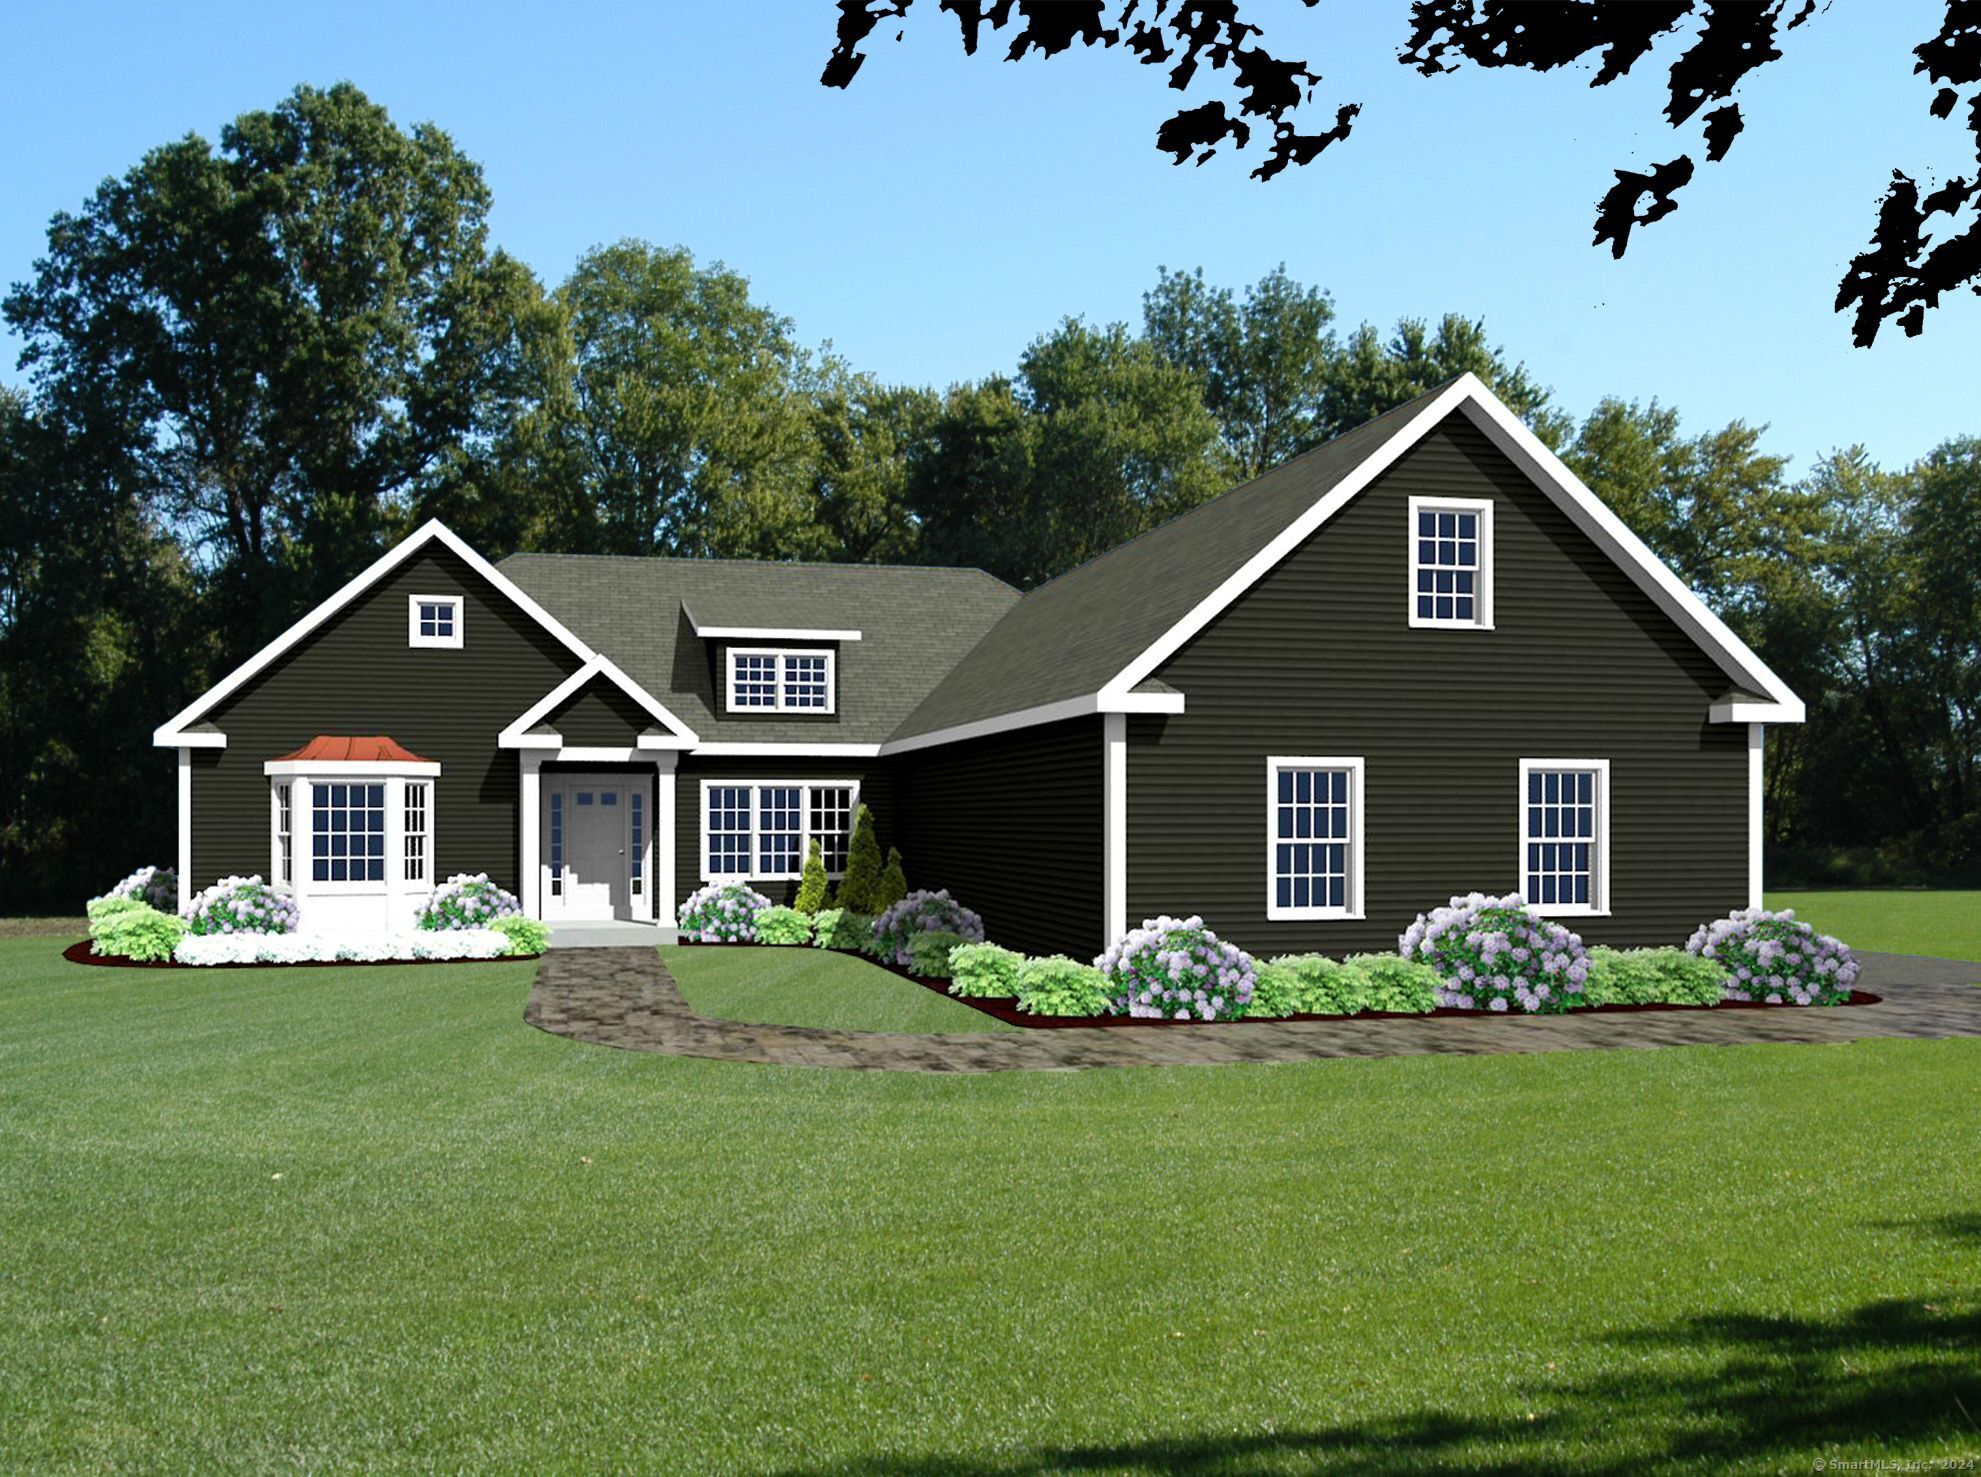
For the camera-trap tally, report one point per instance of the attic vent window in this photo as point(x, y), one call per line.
point(1451, 563)
point(772, 680)
point(433, 620)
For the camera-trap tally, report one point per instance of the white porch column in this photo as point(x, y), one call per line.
point(1114, 770)
point(185, 858)
point(529, 859)
point(665, 897)
point(1754, 785)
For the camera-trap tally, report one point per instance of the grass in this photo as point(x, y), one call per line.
point(70, 929)
point(1943, 925)
point(800, 986)
point(325, 1219)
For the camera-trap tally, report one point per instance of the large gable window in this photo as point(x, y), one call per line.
point(1451, 563)
point(1313, 838)
point(1564, 841)
point(771, 680)
point(762, 830)
point(433, 620)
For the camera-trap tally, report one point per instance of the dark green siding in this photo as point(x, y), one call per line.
point(599, 715)
point(355, 674)
point(876, 792)
point(1318, 659)
point(1012, 826)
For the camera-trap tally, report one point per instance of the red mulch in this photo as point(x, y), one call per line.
point(80, 953)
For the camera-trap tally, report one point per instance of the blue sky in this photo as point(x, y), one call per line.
point(937, 215)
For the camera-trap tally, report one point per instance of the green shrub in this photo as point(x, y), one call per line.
point(928, 953)
point(1056, 985)
point(105, 911)
point(525, 935)
point(1393, 983)
point(1273, 990)
point(783, 926)
point(984, 971)
point(893, 882)
point(142, 933)
point(840, 928)
point(1322, 986)
point(811, 882)
point(1652, 977)
point(859, 889)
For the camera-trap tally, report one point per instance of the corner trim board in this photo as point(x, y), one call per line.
point(1114, 790)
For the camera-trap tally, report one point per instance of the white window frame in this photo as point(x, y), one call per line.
point(1353, 904)
point(413, 636)
point(282, 829)
point(1483, 597)
point(756, 787)
point(1598, 905)
point(781, 654)
point(425, 832)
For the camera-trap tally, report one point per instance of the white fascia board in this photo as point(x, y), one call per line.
point(357, 768)
point(517, 736)
point(432, 531)
point(789, 751)
point(168, 738)
point(507, 740)
point(1553, 476)
point(771, 633)
point(1072, 707)
point(1739, 711)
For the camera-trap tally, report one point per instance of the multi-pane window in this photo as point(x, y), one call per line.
point(762, 830)
point(433, 620)
point(556, 844)
point(780, 681)
point(285, 848)
point(636, 815)
point(1563, 809)
point(1313, 837)
point(1450, 563)
point(347, 832)
point(416, 831)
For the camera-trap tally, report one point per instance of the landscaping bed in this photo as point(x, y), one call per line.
point(81, 952)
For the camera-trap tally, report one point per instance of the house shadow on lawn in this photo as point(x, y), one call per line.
point(1889, 1378)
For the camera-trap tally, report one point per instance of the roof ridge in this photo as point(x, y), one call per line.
point(723, 561)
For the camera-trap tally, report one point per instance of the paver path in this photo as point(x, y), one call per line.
point(627, 998)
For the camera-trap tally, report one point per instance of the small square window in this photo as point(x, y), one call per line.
point(433, 620)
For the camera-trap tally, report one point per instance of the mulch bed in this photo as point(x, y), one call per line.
point(81, 953)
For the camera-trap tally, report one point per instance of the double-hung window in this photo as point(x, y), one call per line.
point(1564, 835)
point(285, 838)
point(1451, 563)
point(762, 829)
point(1313, 838)
point(769, 680)
point(415, 840)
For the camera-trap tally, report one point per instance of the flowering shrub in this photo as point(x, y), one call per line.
point(922, 912)
point(1775, 957)
point(242, 905)
point(1651, 977)
point(722, 913)
point(156, 887)
point(841, 928)
point(137, 932)
point(1491, 953)
point(984, 971)
point(1177, 969)
point(928, 953)
point(316, 948)
point(525, 935)
point(1056, 985)
point(783, 926)
point(468, 901)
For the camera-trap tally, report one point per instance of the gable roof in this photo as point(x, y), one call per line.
point(1092, 639)
point(530, 730)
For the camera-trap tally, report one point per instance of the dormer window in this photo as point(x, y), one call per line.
point(433, 620)
point(1451, 563)
point(766, 679)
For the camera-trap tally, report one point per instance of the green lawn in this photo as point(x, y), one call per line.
point(324, 1219)
point(1945, 925)
point(814, 987)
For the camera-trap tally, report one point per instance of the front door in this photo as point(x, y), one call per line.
point(595, 871)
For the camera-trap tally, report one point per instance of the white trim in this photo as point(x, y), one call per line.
point(780, 655)
point(1598, 905)
point(772, 633)
point(458, 603)
point(1755, 751)
point(275, 803)
point(1354, 906)
point(1072, 707)
point(529, 849)
point(1736, 710)
point(756, 786)
point(583, 754)
point(185, 868)
point(516, 736)
point(368, 769)
point(1553, 477)
point(1483, 593)
point(786, 751)
point(171, 735)
point(665, 845)
point(205, 739)
point(1114, 789)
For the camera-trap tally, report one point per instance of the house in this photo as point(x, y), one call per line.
point(1419, 660)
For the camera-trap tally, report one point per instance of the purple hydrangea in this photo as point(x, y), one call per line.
point(1776, 958)
point(241, 905)
point(923, 912)
point(1177, 969)
point(722, 913)
point(467, 900)
point(1493, 954)
point(155, 887)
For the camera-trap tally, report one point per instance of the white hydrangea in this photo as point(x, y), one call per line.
point(317, 948)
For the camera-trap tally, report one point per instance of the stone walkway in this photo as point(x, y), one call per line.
point(626, 998)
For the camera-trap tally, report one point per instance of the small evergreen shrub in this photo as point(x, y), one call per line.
point(1056, 985)
point(467, 900)
point(139, 932)
point(524, 935)
point(836, 928)
point(922, 912)
point(1323, 986)
point(1385, 982)
point(1776, 958)
point(783, 926)
point(1651, 977)
point(928, 954)
point(155, 887)
point(1492, 953)
point(893, 882)
point(722, 913)
point(860, 889)
point(1177, 969)
point(1273, 989)
point(984, 971)
point(811, 882)
point(242, 905)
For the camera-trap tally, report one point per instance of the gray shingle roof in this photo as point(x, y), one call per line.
point(916, 623)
